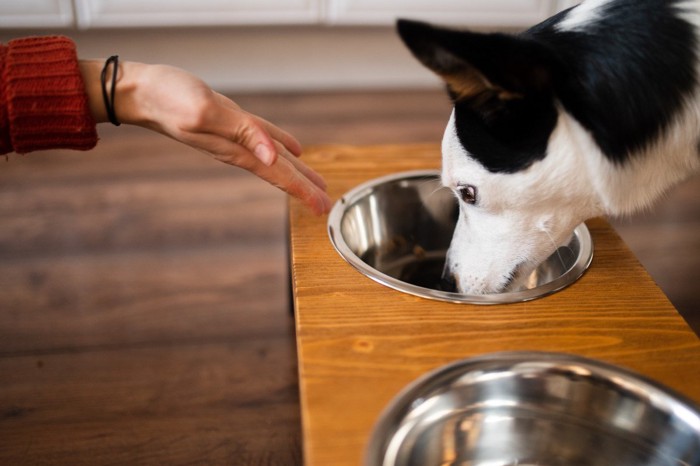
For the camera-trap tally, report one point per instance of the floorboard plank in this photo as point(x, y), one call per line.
point(224, 403)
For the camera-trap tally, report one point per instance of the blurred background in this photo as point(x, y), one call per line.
point(266, 45)
point(144, 307)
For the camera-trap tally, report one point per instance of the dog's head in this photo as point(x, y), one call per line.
point(508, 154)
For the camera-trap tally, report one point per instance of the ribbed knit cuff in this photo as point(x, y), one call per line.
point(5, 142)
point(47, 105)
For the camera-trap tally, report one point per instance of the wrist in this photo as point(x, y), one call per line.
point(128, 103)
point(125, 99)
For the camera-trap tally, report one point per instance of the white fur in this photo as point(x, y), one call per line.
point(581, 15)
point(523, 217)
point(648, 175)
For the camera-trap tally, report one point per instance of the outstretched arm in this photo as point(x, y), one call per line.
point(177, 104)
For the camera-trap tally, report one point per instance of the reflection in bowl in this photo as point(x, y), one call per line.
point(544, 409)
point(397, 229)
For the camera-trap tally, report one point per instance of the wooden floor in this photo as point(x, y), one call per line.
point(144, 310)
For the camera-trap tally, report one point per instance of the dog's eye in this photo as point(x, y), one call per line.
point(467, 193)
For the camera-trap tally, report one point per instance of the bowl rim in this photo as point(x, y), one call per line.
point(430, 382)
point(337, 214)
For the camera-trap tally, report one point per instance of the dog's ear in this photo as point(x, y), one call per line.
point(480, 66)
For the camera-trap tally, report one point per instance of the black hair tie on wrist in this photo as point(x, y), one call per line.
point(109, 99)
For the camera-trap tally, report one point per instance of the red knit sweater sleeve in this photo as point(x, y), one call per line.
point(43, 102)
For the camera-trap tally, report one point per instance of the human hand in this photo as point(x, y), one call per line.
point(177, 104)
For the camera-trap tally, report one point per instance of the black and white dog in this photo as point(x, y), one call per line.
point(594, 111)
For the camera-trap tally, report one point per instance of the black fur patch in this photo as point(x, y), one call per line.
point(506, 136)
point(626, 74)
point(624, 77)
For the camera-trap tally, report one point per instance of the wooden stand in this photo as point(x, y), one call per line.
point(360, 343)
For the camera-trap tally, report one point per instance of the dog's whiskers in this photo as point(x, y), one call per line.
point(438, 188)
point(561, 259)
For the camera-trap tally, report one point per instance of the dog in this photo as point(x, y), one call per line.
point(595, 111)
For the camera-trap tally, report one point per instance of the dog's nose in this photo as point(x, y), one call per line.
point(448, 281)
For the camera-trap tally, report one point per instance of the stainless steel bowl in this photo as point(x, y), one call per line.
point(543, 409)
point(397, 229)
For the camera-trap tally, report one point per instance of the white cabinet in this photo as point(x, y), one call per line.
point(511, 13)
point(494, 13)
point(153, 13)
point(35, 13)
point(131, 13)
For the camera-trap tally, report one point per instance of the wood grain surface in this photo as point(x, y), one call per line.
point(359, 342)
point(144, 312)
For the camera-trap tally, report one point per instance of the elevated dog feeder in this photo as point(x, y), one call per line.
point(396, 230)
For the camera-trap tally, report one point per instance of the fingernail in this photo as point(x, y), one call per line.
point(264, 153)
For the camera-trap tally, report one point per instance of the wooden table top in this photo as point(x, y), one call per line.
point(359, 342)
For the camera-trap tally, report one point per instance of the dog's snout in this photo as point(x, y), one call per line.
point(448, 281)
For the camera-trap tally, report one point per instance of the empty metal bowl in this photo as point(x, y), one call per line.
point(543, 409)
point(397, 229)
